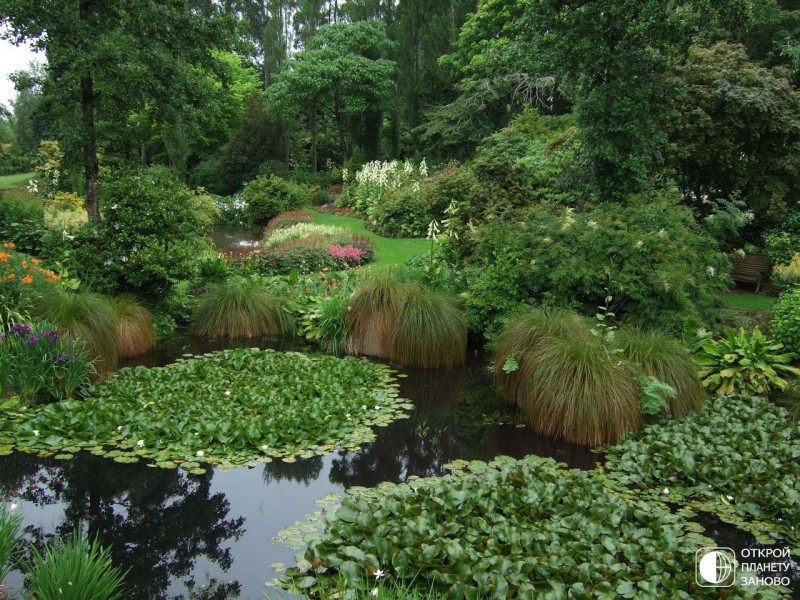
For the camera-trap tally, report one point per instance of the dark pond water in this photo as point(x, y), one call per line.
point(173, 530)
point(232, 238)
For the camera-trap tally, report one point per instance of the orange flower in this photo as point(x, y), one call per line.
point(4, 256)
point(24, 264)
point(36, 261)
point(11, 276)
point(27, 279)
point(9, 245)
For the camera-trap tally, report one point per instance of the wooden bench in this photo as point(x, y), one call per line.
point(751, 268)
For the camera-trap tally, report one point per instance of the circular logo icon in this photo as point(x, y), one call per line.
point(716, 567)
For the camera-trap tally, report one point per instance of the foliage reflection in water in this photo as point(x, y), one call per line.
point(175, 531)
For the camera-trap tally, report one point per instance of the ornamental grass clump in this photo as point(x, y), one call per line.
point(389, 317)
point(84, 316)
point(75, 570)
point(134, 326)
point(667, 360)
point(241, 309)
point(591, 385)
point(429, 331)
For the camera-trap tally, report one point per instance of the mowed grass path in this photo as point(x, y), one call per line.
point(388, 251)
point(15, 182)
point(748, 301)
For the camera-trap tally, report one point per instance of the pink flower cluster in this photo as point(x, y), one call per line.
point(348, 253)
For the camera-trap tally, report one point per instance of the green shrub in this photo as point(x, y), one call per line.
point(365, 190)
point(785, 323)
point(75, 570)
point(241, 309)
point(149, 238)
point(324, 320)
point(650, 255)
point(267, 196)
point(668, 361)
point(22, 222)
point(508, 529)
point(781, 246)
point(84, 316)
point(743, 364)
point(37, 363)
point(134, 325)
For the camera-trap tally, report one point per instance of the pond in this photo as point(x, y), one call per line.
point(235, 239)
point(173, 530)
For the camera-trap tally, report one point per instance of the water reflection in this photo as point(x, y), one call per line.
point(183, 534)
point(156, 521)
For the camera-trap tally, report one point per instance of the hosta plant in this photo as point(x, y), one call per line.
point(742, 363)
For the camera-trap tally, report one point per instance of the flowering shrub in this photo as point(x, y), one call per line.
point(349, 255)
point(149, 238)
point(37, 363)
point(231, 209)
point(23, 279)
point(364, 192)
point(650, 255)
point(49, 170)
point(287, 219)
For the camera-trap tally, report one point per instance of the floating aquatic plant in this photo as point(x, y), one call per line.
point(228, 408)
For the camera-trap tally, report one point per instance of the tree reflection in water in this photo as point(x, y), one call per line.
point(156, 521)
point(456, 416)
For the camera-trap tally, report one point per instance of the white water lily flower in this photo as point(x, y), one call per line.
point(140, 443)
point(200, 453)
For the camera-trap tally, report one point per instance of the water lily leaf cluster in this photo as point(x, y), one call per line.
point(507, 529)
point(739, 458)
point(229, 408)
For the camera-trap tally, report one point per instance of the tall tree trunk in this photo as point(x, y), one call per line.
point(91, 166)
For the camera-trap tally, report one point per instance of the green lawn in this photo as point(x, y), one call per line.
point(16, 181)
point(748, 301)
point(388, 251)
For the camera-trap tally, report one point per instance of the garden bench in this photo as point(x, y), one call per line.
point(751, 268)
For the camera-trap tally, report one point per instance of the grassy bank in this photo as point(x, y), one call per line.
point(388, 251)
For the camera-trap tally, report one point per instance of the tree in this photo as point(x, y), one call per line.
point(111, 56)
point(738, 134)
point(343, 73)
